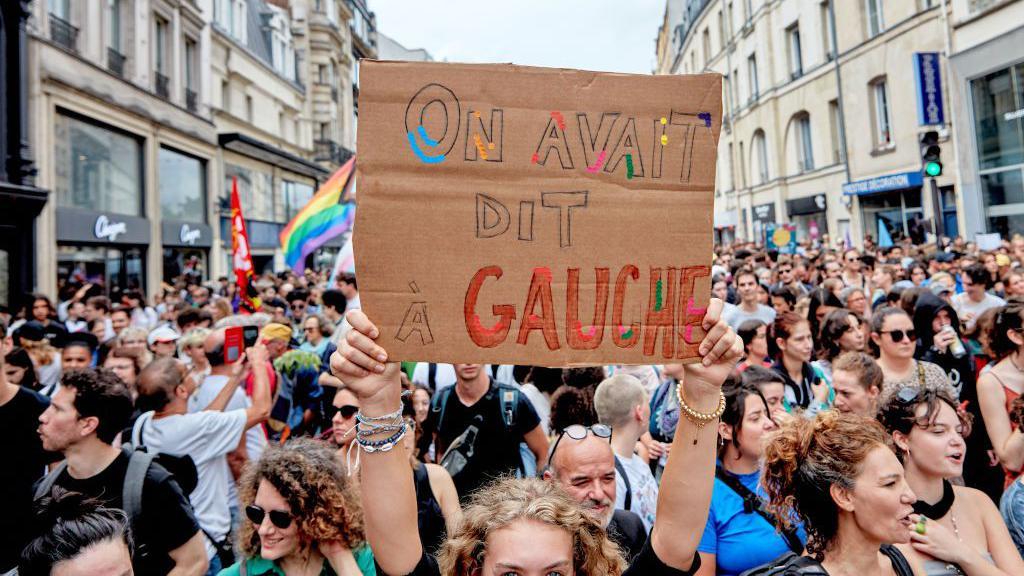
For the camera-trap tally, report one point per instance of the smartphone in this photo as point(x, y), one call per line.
point(234, 341)
point(250, 334)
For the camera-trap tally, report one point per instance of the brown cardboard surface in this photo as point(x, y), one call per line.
point(541, 216)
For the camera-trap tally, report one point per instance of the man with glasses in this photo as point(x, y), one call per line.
point(84, 418)
point(975, 299)
point(582, 462)
point(208, 434)
point(852, 276)
point(298, 302)
point(787, 279)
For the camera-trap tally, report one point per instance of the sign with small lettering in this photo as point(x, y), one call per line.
point(538, 216)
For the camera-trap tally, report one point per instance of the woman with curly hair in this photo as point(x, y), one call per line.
point(304, 515)
point(965, 533)
point(530, 526)
point(839, 476)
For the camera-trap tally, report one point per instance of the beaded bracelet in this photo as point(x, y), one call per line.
point(386, 445)
point(363, 434)
point(699, 419)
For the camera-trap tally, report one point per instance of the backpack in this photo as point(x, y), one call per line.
point(625, 479)
point(790, 564)
point(461, 450)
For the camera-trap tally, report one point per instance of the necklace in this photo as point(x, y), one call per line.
point(1014, 362)
point(956, 529)
point(940, 508)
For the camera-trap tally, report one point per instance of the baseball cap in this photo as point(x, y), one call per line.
point(276, 331)
point(939, 288)
point(162, 334)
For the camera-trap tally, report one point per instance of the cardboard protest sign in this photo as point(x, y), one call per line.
point(536, 216)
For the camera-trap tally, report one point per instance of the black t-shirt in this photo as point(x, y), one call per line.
point(24, 463)
point(646, 563)
point(497, 448)
point(627, 530)
point(166, 522)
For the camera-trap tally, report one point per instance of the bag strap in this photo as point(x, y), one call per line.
point(138, 429)
point(509, 401)
point(899, 562)
point(753, 503)
point(625, 479)
point(441, 405)
point(432, 375)
point(46, 484)
point(131, 494)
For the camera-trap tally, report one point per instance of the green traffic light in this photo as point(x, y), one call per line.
point(933, 169)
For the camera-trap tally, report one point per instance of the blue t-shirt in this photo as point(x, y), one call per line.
point(740, 541)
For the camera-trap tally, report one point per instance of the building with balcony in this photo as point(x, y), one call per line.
point(822, 113)
point(145, 112)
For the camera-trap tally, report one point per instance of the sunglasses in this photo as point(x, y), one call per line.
point(278, 518)
point(897, 335)
point(347, 411)
point(579, 432)
point(298, 306)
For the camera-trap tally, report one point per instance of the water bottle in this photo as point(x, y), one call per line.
point(957, 347)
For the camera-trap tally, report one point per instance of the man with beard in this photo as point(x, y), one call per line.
point(583, 463)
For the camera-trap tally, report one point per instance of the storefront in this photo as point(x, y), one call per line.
point(185, 236)
point(725, 227)
point(809, 216)
point(763, 214)
point(102, 237)
point(998, 105)
point(101, 248)
point(890, 207)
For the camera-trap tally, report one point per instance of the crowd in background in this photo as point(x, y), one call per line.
point(871, 424)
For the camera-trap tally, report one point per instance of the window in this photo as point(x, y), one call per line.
point(998, 101)
point(330, 9)
point(282, 47)
point(255, 191)
point(835, 124)
point(321, 74)
point(296, 196)
point(191, 53)
point(225, 96)
point(728, 20)
point(248, 108)
point(743, 166)
point(325, 130)
point(796, 67)
point(160, 45)
point(873, 13)
point(61, 9)
point(726, 91)
point(805, 149)
point(736, 85)
point(752, 76)
point(706, 40)
point(748, 4)
point(182, 181)
point(722, 37)
point(114, 24)
point(880, 112)
point(729, 172)
point(761, 149)
point(828, 33)
point(96, 167)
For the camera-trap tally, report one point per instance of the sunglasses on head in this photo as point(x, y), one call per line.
point(897, 335)
point(278, 518)
point(579, 432)
point(347, 411)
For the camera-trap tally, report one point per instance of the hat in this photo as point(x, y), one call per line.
point(32, 330)
point(1002, 259)
point(944, 257)
point(939, 288)
point(276, 331)
point(162, 334)
point(86, 339)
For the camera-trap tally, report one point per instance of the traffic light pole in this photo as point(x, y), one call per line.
point(940, 226)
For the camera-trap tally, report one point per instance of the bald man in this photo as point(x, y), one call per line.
point(586, 470)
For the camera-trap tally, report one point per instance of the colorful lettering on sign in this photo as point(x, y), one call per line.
point(421, 110)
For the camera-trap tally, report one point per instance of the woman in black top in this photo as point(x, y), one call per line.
point(437, 501)
point(531, 526)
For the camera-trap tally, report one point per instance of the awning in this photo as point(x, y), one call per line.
point(884, 183)
point(253, 148)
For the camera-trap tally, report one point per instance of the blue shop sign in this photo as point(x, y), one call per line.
point(928, 78)
point(884, 183)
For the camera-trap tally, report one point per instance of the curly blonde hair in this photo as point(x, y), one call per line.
point(323, 501)
point(510, 499)
point(805, 458)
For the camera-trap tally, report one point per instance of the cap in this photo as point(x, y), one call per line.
point(276, 331)
point(162, 334)
point(79, 338)
point(1002, 260)
point(944, 257)
point(32, 330)
point(939, 288)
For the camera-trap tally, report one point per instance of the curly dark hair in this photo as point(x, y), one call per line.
point(805, 458)
point(323, 501)
point(570, 405)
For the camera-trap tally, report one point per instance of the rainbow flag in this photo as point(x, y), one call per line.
point(323, 218)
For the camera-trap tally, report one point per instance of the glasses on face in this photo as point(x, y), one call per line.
point(278, 518)
point(785, 271)
point(298, 306)
point(579, 432)
point(897, 335)
point(309, 329)
point(851, 259)
point(347, 411)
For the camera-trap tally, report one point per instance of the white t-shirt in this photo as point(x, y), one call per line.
point(963, 305)
point(643, 486)
point(736, 315)
point(540, 403)
point(207, 437)
point(255, 438)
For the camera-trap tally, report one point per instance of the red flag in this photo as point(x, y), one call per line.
point(242, 258)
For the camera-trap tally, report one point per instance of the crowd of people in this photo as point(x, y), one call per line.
point(851, 412)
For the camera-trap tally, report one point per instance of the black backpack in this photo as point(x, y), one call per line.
point(790, 564)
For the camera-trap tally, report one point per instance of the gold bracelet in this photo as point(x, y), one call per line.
point(699, 419)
